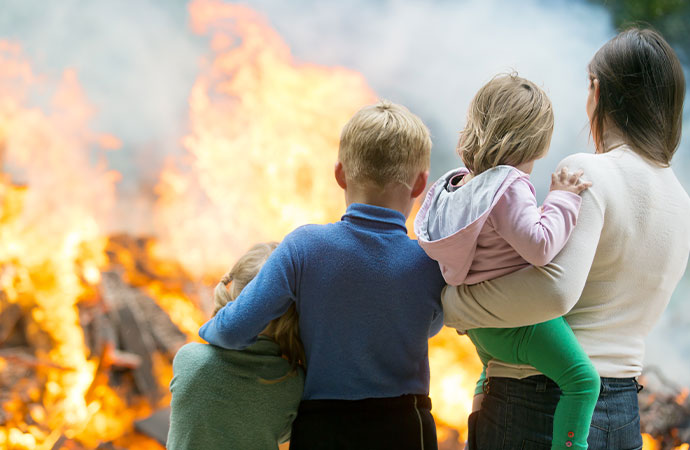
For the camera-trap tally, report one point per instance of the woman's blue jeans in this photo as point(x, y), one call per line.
point(518, 415)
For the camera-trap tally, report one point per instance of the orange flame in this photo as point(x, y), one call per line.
point(455, 368)
point(682, 396)
point(649, 443)
point(51, 240)
point(263, 144)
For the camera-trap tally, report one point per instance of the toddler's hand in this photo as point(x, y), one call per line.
point(563, 180)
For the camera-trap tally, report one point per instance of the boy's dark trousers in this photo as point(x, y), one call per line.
point(399, 423)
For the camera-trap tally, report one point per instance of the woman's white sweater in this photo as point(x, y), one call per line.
point(612, 280)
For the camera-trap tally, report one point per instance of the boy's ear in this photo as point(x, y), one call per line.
point(420, 183)
point(340, 175)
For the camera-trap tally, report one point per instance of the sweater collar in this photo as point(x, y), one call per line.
point(375, 217)
point(613, 139)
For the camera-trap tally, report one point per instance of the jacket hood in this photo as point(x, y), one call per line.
point(452, 216)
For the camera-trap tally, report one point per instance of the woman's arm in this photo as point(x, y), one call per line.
point(534, 294)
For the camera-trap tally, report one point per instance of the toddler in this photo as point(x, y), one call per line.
point(483, 221)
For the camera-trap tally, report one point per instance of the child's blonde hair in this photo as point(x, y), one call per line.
point(384, 143)
point(510, 122)
point(285, 329)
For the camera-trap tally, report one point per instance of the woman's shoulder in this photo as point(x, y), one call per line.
point(621, 158)
point(603, 168)
point(579, 161)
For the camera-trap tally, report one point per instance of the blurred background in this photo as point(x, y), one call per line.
point(206, 126)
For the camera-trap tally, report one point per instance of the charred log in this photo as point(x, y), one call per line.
point(10, 313)
point(665, 414)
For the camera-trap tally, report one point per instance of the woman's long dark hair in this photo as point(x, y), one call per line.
point(641, 93)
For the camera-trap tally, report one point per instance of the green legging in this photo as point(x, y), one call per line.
point(551, 348)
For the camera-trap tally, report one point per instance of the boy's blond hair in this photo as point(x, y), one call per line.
point(285, 329)
point(509, 122)
point(384, 143)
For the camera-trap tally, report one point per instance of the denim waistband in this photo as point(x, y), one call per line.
point(542, 383)
point(408, 400)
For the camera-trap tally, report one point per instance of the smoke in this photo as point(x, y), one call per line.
point(668, 346)
point(137, 60)
point(435, 56)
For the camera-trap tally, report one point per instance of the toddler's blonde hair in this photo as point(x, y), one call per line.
point(384, 143)
point(509, 122)
point(285, 329)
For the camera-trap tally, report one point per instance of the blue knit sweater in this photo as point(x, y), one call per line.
point(368, 298)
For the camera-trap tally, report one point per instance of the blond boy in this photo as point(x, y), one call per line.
point(366, 294)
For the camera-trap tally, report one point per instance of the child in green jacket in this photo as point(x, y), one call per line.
point(238, 399)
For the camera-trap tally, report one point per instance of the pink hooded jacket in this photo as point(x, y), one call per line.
point(492, 225)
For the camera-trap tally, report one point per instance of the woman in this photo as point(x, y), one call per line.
point(617, 272)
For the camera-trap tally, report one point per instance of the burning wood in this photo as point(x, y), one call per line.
point(143, 328)
point(665, 414)
point(9, 316)
point(126, 331)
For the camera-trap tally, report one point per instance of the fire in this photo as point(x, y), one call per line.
point(264, 138)
point(54, 202)
point(259, 121)
point(455, 368)
point(51, 243)
point(649, 443)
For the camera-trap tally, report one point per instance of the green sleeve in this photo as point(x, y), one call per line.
point(479, 388)
point(484, 357)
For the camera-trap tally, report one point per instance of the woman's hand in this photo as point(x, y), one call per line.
point(563, 180)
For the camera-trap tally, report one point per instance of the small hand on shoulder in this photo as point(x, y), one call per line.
point(564, 180)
